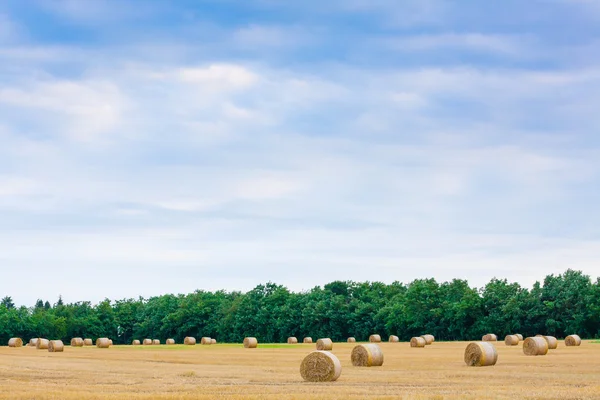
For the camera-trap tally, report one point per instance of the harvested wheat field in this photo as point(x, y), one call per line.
point(226, 371)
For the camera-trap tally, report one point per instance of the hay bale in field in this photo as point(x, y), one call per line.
point(206, 340)
point(103, 343)
point(88, 342)
point(490, 337)
point(324, 344)
point(428, 339)
point(155, 342)
point(367, 355)
point(307, 339)
point(519, 336)
point(511, 340)
point(393, 339)
point(170, 341)
point(535, 346)
point(375, 339)
point(552, 342)
point(147, 342)
point(56, 346)
point(481, 354)
point(213, 341)
point(189, 341)
point(15, 342)
point(418, 342)
point(136, 343)
point(42, 344)
point(351, 340)
point(110, 342)
point(573, 340)
point(33, 342)
point(320, 366)
point(250, 343)
point(292, 340)
point(77, 342)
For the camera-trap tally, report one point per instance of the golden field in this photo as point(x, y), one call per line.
point(272, 372)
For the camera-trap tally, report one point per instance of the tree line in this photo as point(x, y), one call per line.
point(564, 304)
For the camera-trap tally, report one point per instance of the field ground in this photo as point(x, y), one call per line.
point(272, 372)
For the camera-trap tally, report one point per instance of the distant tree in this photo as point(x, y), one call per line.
point(8, 302)
point(39, 303)
point(59, 302)
point(47, 305)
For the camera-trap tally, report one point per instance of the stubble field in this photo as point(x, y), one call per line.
point(272, 372)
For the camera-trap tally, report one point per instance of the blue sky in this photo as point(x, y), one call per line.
point(153, 147)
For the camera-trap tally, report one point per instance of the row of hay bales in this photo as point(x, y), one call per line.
point(481, 354)
point(326, 344)
point(324, 366)
point(57, 346)
point(188, 341)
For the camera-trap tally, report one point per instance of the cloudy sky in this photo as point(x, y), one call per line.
point(151, 147)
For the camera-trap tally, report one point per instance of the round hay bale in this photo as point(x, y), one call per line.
point(88, 342)
point(375, 339)
point(307, 340)
point(110, 342)
point(481, 354)
point(535, 346)
point(206, 340)
point(56, 346)
point(103, 343)
point(213, 341)
point(393, 339)
point(367, 355)
point(292, 340)
point(351, 340)
point(573, 340)
point(15, 342)
point(324, 344)
point(155, 342)
point(552, 342)
point(418, 342)
point(428, 339)
point(519, 336)
point(320, 366)
point(170, 341)
point(77, 342)
point(136, 343)
point(147, 342)
point(33, 342)
point(511, 340)
point(189, 341)
point(42, 344)
point(490, 337)
point(250, 343)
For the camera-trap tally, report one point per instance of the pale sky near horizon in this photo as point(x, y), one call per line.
point(151, 147)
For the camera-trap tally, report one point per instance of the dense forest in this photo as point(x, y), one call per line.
point(563, 304)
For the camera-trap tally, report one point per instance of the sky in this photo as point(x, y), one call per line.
point(151, 147)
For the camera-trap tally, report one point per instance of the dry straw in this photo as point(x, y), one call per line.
point(511, 340)
point(307, 340)
point(77, 342)
point(367, 355)
point(480, 354)
point(351, 340)
point(189, 341)
point(292, 340)
point(170, 341)
point(206, 340)
point(250, 343)
point(15, 342)
point(33, 342)
point(110, 342)
point(155, 342)
point(324, 344)
point(56, 346)
point(147, 342)
point(213, 341)
point(375, 339)
point(573, 340)
point(42, 344)
point(552, 342)
point(103, 343)
point(490, 337)
point(88, 342)
point(394, 339)
point(417, 342)
point(320, 366)
point(519, 336)
point(535, 346)
point(136, 343)
point(428, 339)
